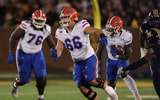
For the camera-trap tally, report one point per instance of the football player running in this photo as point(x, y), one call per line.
point(150, 40)
point(29, 55)
point(74, 35)
point(118, 37)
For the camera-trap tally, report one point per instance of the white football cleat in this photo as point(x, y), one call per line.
point(40, 98)
point(14, 90)
point(108, 98)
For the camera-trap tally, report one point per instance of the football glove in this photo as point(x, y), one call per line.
point(53, 54)
point(11, 58)
point(103, 41)
point(113, 51)
point(121, 73)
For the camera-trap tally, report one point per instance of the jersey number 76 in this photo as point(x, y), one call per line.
point(38, 39)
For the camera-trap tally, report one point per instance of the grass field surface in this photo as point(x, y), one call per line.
point(65, 89)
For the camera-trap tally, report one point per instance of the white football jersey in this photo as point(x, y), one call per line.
point(76, 41)
point(33, 39)
point(121, 39)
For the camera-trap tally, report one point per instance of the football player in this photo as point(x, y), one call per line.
point(119, 50)
point(29, 55)
point(74, 35)
point(150, 39)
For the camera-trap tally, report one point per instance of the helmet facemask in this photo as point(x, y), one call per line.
point(110, 30)
point(65, 20)
point(114, 25)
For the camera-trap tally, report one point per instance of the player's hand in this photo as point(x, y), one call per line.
point(113, 51)
point(53, 54)
point(120, 72)
point(11, 58)
point(103, 41)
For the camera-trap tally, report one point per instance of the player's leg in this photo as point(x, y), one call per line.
point(112, 79)
point(88, 92)
point(155, 66)
point(41, 83)
point(131, 84)
point(24, 70)
point(82, 84)
point(39, 67)
point(156, 82)
point(91, 72)
point(111, 90)
point(129, 81)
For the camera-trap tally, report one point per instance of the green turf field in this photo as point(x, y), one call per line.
point(60, 89)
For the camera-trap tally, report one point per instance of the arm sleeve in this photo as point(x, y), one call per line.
point(135, 65)
point(24, 25)
point(128, 39)
point(84, 24)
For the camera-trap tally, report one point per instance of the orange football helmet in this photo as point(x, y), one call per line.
point(68, 15)
point(39, 18)
point(114, 25)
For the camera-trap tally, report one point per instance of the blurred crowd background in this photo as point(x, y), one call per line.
point(132, 11)
point(12, 12)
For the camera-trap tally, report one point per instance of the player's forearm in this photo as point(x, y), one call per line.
point(99, 51)
point(50, 42)
point(59, 48)
point(136, 64)
point(127, 52)
point(91, 30)
point(12, 44)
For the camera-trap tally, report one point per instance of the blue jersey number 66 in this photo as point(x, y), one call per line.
point(73, 43)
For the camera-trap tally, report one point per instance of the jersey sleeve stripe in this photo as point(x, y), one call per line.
point(23, 25)
point(84, 21)
point(85, 24)
point(129, 41)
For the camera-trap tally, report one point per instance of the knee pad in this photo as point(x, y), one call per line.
point(41, 82)
point(89, 93)
point(100, 83)
point(111, 93)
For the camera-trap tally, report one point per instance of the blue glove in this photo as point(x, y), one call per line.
point(113, 51)
point(103, 41)
point(11, 58)
point(53, 54)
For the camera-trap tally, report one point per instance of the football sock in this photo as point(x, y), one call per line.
point(111, 93)
point(132, 86)
point(40, 96)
